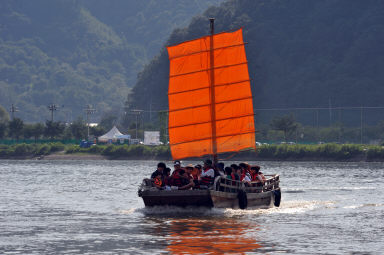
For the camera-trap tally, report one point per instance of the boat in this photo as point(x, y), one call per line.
point(211, 113)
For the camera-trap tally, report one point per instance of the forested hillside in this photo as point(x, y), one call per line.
point(78, 52)
point(301, 53)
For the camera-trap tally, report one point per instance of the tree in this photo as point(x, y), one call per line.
point(27, 131)
point(79, 129)
point(3, 130)
point(16, 128)
point(4, 116)
point(53, 129)
point(97, 130)
point(108, 121)
point(37, 130)
point(287, 124)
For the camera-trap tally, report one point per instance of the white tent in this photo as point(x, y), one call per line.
point(112, 134)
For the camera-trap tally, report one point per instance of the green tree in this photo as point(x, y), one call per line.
point(27, 131)
point(4, 116)
point(16, 128)
point(79, 129)
point(53, 129)
point(287, 124)
point(108, 121)
point(3, 130)
point(37, 130)
point(97, 131)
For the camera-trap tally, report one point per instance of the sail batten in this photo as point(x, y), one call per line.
point(210, 99)
point(217, 85)
point(208, 69)
point(222, 136)
point(220, 102)
point(204, 51)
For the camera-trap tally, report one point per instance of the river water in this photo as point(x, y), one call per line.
point(92, 207)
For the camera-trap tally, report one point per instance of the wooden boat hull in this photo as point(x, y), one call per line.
point(225, 193)
point(262, 200)
point(181, 198)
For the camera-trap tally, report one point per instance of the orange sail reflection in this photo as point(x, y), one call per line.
point(210, 237)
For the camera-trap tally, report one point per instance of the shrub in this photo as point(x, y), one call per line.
point(44, 149)
point(72, 149)
point(96, 149)
point(375, 152)
point(57, 147)
point(23, 149)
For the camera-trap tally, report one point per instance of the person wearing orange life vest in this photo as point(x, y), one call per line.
point(158, 175)
point(257, 178)
point(207, 175)
point(177, 166)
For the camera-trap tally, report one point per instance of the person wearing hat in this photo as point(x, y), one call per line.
point(177, 166)
point(207, 175)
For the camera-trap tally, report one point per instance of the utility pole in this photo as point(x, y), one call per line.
point(52, 108)
point(136, 112)
point(13, 109)
point(89, 110)
point(361, 125)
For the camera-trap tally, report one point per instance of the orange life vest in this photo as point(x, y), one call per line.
point(158, 182)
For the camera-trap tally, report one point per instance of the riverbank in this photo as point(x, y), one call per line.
point(282, 152)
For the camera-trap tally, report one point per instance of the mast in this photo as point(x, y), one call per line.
point(212, 91)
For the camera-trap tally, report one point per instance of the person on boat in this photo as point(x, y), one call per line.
point(189, 169)
point(167, 177)
point(259, 174)
point(196, 172)
point(234, 174)
point(181, 180)
point(207, 175)
point(228, 172)
point(159, 171)
point(186, 179)
point(177, 167)
point(219, 169)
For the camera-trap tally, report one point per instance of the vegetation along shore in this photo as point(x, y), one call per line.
point(283, 152)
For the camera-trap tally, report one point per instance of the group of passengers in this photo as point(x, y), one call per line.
point(202, 177)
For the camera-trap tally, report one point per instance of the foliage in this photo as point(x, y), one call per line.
point(80, 52)
point(16, 128)
point(53, 129)
point(287, 124)
point(79, 129)
point(4, 116)
point(328, 52)
point(97, 131)
point(29, 150)
point(3, 130)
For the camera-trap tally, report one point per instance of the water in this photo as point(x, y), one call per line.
point(91, 207)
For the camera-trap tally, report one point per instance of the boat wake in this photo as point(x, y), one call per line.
point(304, 190)
point(176, 211)
point(286, 207)
point(362, 206)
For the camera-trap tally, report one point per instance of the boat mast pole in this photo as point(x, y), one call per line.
point(212, 90)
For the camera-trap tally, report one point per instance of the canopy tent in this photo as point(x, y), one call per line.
point(112, 134)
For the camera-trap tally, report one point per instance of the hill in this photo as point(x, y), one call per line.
point(79, 52)
point(302, 53)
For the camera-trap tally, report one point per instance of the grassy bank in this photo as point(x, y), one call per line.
point(24, 150)
point(325, 152)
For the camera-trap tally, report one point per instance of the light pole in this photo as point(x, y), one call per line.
point(52, 108)
point(89, 110)
point(13, 109)
point(136, 112)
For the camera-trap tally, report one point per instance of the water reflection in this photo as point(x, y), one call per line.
point(211, 236)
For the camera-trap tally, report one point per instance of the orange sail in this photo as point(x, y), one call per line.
point(210, 99)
